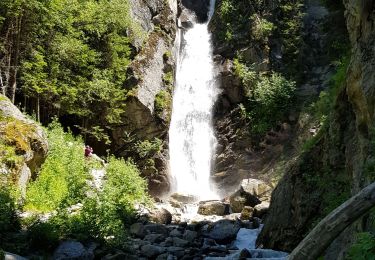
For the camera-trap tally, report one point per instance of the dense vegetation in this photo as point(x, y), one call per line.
point(65, 181)
point(67, 57)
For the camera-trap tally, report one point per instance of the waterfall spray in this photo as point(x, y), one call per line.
point(191, 136)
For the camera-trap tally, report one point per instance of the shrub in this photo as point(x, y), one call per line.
point(363, 248)
point(261, 28)
point(107, 216)
point(104, 216)
point(163, 100)
point(8, 217)
point(148, 148)
point(62, 177)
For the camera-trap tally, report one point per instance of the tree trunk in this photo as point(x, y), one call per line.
point(38, 108)
point(318, 240)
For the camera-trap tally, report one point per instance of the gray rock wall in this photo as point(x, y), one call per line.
point(29, 142)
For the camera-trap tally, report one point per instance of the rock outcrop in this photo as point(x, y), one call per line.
point(340, 157)
point(23, 146)
point(147, 112)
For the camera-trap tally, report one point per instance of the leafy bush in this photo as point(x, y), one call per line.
point(163, 100)
point(261, 28)
point(103, 216)
point(148, 148)
point(62, 178)
point(364, 247)
point(269, 97)
point(8, 217)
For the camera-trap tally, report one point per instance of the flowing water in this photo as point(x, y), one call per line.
point(191, 136)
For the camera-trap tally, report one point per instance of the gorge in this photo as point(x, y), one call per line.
point(221, 129)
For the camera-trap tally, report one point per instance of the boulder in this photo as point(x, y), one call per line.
point(175, 233)
point(184, 198)
point(261, 209)
point(237, 202)
point(29, 140)
point(176, 251)
point(160, 216)
point(223, 231)
point(251, 192)
point(213, 207)
point(72, 250)
point(247, 213)
point(154, 238)
point(199, 8)
point(256, 188)
point(156, 229)
point(178, 242)
point(152, 250)
point(120, 256)
point(190, 235)
point(138, 230)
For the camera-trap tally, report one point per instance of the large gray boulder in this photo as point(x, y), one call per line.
point(26, 138)
point(223, 231)
point(71, 250)
point(213, 207)
point(251, 193)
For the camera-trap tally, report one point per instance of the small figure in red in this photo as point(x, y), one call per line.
point(88, 151)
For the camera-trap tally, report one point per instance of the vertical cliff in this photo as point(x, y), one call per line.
point(339, 161)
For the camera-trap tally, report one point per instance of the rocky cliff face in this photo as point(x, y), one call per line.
point(152, 72)
point(23, 146)
point(337, 165)
point(240, 155)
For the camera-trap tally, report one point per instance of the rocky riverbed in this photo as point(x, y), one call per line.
point(181, 227)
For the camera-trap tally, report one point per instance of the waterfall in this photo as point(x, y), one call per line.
point(191, 136)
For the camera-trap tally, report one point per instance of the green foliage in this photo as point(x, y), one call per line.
point(73, 54)
point(363, 248)
point(168, 79)
point(269, 97)
point(148, 148)
point(261, 28)
point(62, 178)
point(8, 216)
point(103, 216)
point(163, 100)
point(288, 27)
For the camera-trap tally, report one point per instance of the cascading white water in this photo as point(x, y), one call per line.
point(191, 136)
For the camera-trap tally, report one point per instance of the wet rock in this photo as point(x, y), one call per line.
point(155, 238)
point(184, 198)
point(213, 207)
point(176, 251)
point(152, 250)
point(120, 256)
point(178, 242)
point(190, 235)
point(156, 229)
point(138, 230)
point(261, 209)
point(224, 231)
point(72, 250)
point(266, 253)
point(199, 8)
point(175, 233)
point(160, 216)
point(237, 202)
